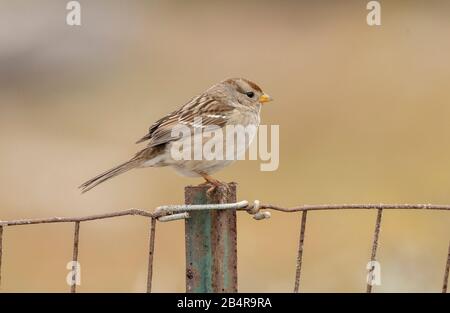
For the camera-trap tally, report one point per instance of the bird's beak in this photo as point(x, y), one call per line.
point(265, 98)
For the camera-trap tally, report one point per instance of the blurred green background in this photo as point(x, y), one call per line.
point(363, 114)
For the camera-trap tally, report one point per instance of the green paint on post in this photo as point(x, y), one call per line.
point(211, 242)
point(199, 256)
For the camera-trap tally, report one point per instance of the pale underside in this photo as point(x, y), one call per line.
point(213, 148)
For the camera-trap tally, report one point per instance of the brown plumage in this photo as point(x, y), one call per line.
point(235, 101)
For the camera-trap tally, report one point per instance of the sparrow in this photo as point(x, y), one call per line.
point(231, 102)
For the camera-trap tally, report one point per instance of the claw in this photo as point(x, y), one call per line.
point(211, 190)
point(214, 183)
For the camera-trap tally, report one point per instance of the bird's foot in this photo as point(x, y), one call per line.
point(215, 184)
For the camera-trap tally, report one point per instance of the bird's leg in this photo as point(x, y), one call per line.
point(209, 180)
point(213, 182)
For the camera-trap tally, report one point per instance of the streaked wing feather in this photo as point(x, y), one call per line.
point(210, 110)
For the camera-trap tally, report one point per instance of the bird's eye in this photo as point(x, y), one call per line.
point(250, 94)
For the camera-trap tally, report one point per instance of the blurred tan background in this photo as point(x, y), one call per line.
point(363, 114)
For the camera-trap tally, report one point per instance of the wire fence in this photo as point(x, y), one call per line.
point(259, 211)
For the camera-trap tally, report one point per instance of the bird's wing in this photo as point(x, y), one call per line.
point(204, 108)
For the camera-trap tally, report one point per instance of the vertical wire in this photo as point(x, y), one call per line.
point(446, 272)
point(75, 267)
point(373, 256)
point(151, 252)
point(1, 253)
point(300, 252)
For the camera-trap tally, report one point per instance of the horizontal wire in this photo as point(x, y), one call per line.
point(169, 209)
point(75, 219)
point(369, 206)
point(241, 206)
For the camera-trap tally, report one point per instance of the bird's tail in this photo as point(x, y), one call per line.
point(119, 169)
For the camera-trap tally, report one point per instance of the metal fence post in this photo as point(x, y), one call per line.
point(211, 240)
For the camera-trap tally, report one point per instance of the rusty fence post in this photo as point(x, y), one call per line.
point(211, 240)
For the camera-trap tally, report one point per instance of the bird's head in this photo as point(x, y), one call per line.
point(244, 91)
